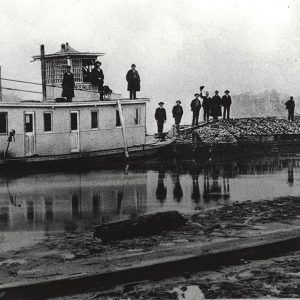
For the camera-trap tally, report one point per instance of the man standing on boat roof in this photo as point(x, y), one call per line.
point(226, 103)
point(133, 80)
point(215, 106)
point(97, 78)
point(160, 117)
point(205, 104)
point(177, 112)
point(195, 108)
point(68, 85)
point(290, 106)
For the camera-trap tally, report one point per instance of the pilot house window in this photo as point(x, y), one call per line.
point(47, 121)
point(137, 116)
point(3, 122)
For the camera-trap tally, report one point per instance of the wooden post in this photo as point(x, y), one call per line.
point(43, 68)
point(123, 128)
point(0, 85)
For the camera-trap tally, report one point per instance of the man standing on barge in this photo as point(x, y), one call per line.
point(160, 117)
point(133, 80)
point(195, 108)
point(226, 103)
point(177, 113)
point(97, 78)
point(290, 106)
point(206, 105)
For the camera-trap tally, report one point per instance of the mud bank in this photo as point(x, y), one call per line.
point(75, 253)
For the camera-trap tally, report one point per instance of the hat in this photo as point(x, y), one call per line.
point(133, 65)
point(216, 91)
point(227, 91)
point(201, 87)
point(97, 63)
point(196, 95)
point(178, 101)
point(161, 103)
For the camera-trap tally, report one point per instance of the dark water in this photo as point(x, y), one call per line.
point(32, 205)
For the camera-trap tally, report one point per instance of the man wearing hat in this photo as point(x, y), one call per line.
point(206, 105)
point(160, 117)
point(177, 112)
point(133, 82)
point(68, 85)
point(290, 106)
point(195, 108)
point(215, 106)
point(226, 102)
point(97, 78)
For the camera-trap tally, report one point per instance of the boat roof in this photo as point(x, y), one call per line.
point(68, 51)
point(53, 104)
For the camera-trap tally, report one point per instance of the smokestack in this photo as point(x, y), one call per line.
point(43, 68)
point(63, 47)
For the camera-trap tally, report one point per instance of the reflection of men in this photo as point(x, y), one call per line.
point(226, 102)
point(177, 191)
point(177, 112)
point(290, 106)
point(290, 174)
point(68, 85)
point(97, 78)
point(133, 80)
point(195, 108)
point(161, 190)
point(215, 106)
point(196, 190)
point(206, 105)
point(160, 117)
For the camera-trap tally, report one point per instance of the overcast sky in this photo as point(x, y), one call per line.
point(177, 45)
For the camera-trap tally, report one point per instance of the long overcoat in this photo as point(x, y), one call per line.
point(97, 78)
point(215, 106)
point(68, 85)
point(133, 81)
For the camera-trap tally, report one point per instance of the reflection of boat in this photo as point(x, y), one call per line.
point(55, 130)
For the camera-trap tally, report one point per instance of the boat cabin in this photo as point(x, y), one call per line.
point(86, 125)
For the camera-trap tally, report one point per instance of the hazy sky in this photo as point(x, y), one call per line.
point(177, 45)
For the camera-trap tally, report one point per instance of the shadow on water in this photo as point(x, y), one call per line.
point(37, 203)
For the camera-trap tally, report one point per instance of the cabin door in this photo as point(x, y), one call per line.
point(74, 131)
point(29, 137)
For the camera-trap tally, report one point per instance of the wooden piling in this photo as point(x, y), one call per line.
point(123, 128)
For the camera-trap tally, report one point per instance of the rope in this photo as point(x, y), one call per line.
point(49, 85)
point(20, 90)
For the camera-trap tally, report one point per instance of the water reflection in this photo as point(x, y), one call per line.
point(66, 201)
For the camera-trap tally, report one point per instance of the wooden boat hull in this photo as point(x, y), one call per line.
point(111, 155)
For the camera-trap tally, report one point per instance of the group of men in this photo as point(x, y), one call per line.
point(96, 77)
point(211, 107)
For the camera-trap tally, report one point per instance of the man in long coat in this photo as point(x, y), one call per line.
point(160, 117)
point(177, 112)
point(290, 106)
point(206, 105)
point(68, 85)
point(97, 78)
point(226, 103)
point(215, 106)
point(133, 80)
point(195, 108)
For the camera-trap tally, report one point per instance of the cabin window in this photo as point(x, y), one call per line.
point(94, 119)
point(3, 122)
point(137, 116)
point(47, 121)
point(29, 122)
point(118, 120)
point(74, 123)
